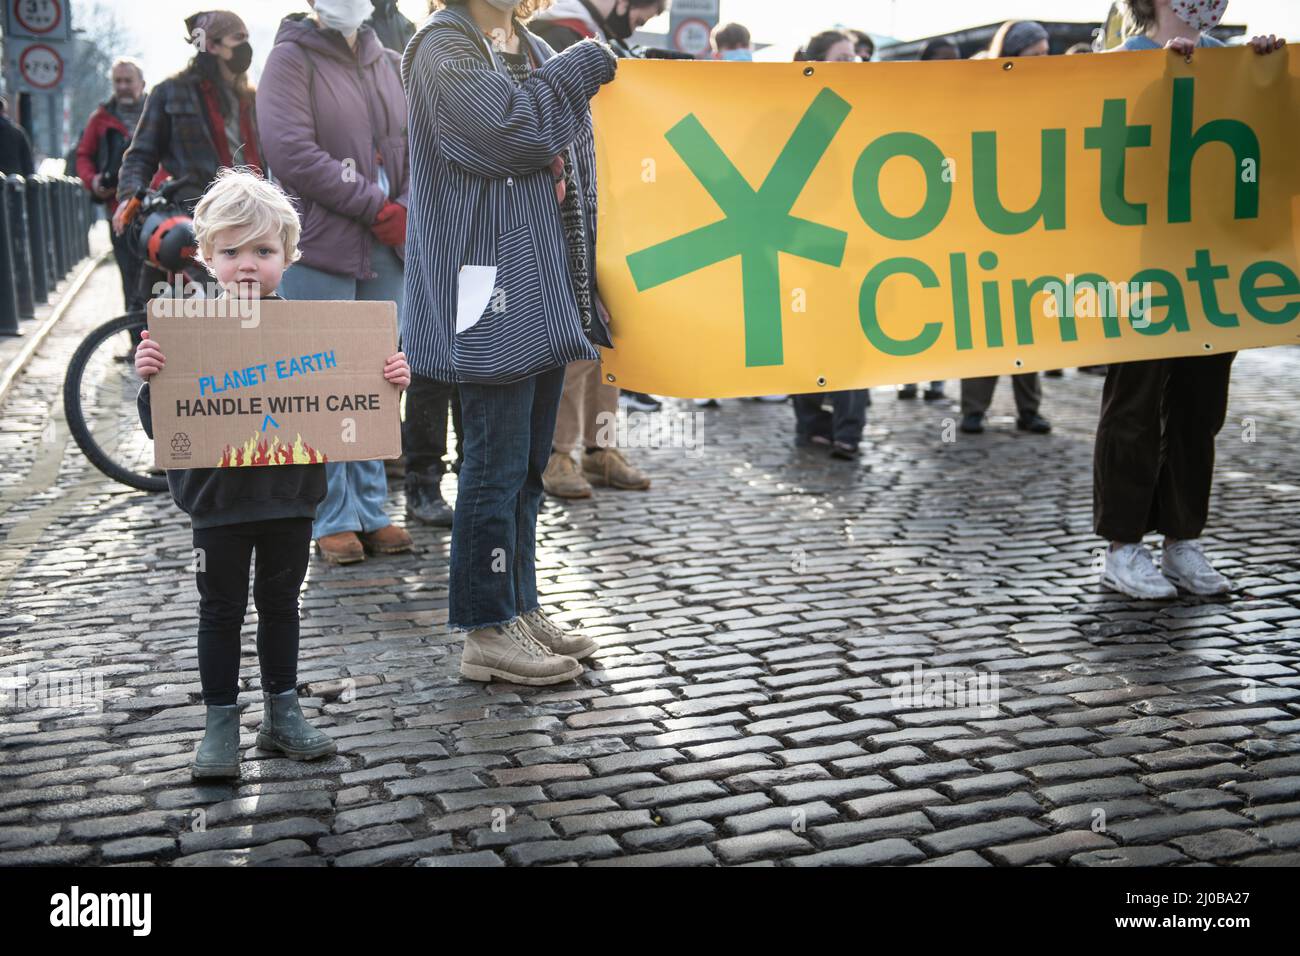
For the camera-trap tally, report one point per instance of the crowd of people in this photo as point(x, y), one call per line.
point(375, 161)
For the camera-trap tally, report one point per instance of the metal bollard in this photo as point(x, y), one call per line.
point(8, 294)
point(16, 210)
point(56, 228)
point(36, 233)
point(83, 220)
point(60, 210)
point(47, 224)
point(69, 230)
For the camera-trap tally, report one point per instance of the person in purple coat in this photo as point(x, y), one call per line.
point(333, 115)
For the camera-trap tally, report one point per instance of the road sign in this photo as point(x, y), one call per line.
point(691, 23)
point(38, 19)
point(692, 36)
point(39, 66)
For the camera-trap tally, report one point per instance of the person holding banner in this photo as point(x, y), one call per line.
point(1014, 38)
point(335, 118)
point(1153, 461)
point(839, 429)
point(500, 297)
point(587, 401)
point(247, 231)
point(829, 46)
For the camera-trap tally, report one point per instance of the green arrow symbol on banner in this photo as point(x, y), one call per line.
point(758, 225)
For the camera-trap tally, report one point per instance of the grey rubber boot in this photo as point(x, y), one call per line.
point(285, 730)
point(217, 756)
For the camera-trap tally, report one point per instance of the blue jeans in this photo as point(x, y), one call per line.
point(356, 491)
point(508, 433)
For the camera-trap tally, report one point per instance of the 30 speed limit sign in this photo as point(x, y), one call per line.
point(38, 20)
point(42, 19)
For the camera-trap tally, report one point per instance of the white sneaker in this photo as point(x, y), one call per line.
point(1185, 565)
point(1130, 570)
point(772, 399)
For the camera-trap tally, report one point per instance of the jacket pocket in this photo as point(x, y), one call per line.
point(512, 337)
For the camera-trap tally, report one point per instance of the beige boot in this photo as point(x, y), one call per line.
point(569, 643)
point(510, 653)
point(608, 467)
point(561, 479)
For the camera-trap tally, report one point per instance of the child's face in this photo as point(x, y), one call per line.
point(251, 270)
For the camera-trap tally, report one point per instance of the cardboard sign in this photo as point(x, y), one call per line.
point(273, 383)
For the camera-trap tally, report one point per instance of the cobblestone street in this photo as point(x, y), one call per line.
point(751, 609)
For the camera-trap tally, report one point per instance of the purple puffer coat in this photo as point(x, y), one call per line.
point(324, 112)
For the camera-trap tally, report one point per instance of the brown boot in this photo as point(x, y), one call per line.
point(341, 548)
point(390, 540)
point(561, 479)
point(608, 467)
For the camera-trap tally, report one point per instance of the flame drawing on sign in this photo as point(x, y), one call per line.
point(257, 451)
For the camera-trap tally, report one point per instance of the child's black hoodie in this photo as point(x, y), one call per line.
point(222, 496)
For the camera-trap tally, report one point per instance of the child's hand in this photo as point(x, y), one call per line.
point(1267, 44)
point(397, 371)
point(148, 357)
point(1181, 45)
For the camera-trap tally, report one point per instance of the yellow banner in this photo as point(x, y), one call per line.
point(781, 228)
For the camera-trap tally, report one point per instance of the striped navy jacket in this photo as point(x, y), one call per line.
point(482, 195)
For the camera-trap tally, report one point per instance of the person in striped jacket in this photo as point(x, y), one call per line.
point(501, 296)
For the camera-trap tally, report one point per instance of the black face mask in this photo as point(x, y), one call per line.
point(619, 25)
point(241, 60)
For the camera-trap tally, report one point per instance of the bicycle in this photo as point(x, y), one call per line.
point(100, 388)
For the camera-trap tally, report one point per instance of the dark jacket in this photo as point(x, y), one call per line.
point(174, 133)
point(329, 116)
point(566, 22)
point(15, 150)
point(392, 28)
point(482, 200)
point(214, 497)
point(103, 143)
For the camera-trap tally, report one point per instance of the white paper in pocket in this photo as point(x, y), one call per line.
point(477, 283)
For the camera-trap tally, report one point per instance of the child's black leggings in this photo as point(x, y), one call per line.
point(283, 549)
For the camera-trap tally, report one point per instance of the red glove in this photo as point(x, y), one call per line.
point(390, 225)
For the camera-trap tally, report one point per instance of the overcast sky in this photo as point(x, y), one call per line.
point(158, 29)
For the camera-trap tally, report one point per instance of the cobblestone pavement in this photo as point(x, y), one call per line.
point(751, 608)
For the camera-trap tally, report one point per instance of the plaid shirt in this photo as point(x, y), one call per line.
point(173, 133)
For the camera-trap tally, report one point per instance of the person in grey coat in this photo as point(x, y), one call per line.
point(501, 296)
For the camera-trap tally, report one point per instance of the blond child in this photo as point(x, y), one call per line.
point(247, 232)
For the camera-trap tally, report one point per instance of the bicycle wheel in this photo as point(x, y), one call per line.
point(99, 394)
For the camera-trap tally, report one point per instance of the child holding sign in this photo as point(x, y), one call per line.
point(1153, 464)
point(247, 232)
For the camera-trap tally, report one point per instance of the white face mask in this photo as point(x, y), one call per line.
point(346, 16)
point(1200, 15)
point(505, 6)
